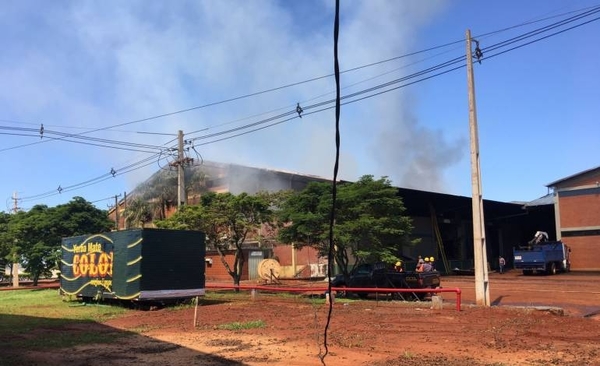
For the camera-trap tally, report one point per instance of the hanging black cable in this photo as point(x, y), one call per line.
point(330, 255)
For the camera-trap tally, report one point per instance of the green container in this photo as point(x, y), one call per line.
point(138, 264)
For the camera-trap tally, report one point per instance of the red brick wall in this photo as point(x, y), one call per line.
point(304, 256)
point(216, 272)
point(578, 211)
point(585, 252)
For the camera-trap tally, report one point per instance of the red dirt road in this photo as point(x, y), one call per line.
point(578, 293)
point(367, 332)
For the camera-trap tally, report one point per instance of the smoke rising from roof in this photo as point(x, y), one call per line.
point(414, 155)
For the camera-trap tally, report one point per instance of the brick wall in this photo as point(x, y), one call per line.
point(304, 256)
point(585, 252)
point(579, 211)
point(216, 272)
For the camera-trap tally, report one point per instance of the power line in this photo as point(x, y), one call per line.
point(69, 138)
point(375, 89)
point(65, 136)
point(399, 80)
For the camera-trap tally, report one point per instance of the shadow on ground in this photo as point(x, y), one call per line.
point(49, 341)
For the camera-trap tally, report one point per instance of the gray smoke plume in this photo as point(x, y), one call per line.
point(416, 156)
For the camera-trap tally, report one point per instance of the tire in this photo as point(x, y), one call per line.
point(341, 293)
point(552, 268)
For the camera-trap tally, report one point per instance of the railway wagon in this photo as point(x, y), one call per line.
point(136, 264)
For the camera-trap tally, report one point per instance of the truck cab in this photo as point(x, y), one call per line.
point(548, 257)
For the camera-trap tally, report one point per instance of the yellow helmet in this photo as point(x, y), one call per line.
point(398, 264)
point(426, 259)
point(431, 259)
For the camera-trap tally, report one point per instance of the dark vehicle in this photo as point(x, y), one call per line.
point(378, 275)
point(550, 257)
point(542, 256)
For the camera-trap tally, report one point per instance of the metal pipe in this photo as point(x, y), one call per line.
point(354, 289)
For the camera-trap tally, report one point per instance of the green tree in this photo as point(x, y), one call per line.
point(227, 220)
point(35, 240)
point(8, 252)
point(80, 217)
point(370, 224)
point(37, 234)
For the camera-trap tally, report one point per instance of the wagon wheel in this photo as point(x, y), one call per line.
point(269, 270)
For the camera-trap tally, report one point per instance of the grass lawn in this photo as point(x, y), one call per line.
point(32, 319)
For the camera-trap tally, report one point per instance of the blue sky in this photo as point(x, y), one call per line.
point(88, 70)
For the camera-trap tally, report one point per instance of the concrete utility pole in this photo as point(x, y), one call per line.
point(180, 163)
point(124, 209)
point(15, 265)
point(180, 172)
point(482, 290)
point(117, 211)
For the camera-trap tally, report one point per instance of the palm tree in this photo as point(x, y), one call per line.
point(137, 213)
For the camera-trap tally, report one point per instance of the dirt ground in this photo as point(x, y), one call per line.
point(533, 320)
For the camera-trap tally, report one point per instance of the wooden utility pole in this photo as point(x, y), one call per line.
point(482, 290)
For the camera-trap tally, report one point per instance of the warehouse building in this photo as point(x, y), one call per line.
point(442, 222)
point(576, 202)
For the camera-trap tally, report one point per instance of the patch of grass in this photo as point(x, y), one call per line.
point(226, 295)
point(48, 304)
point(41, 319)
point(245, 325)
point(143, 328)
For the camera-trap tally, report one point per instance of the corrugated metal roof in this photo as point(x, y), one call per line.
point(542, 201)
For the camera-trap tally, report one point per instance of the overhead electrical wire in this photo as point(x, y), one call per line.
point(88, 130)
point(291, 84)
point(440, 66)
point(375, 90)
point(120, 171)
point(437, 67)
point(529, 22)
point(279, 87)
point(35, 132)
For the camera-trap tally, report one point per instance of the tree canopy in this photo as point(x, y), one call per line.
point(34, 237)
point(227, 220)
point(370, 224)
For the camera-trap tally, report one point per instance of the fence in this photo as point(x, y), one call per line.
point(353, 289)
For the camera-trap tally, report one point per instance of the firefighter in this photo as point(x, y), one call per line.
point(426, 266)
point(398, 267)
